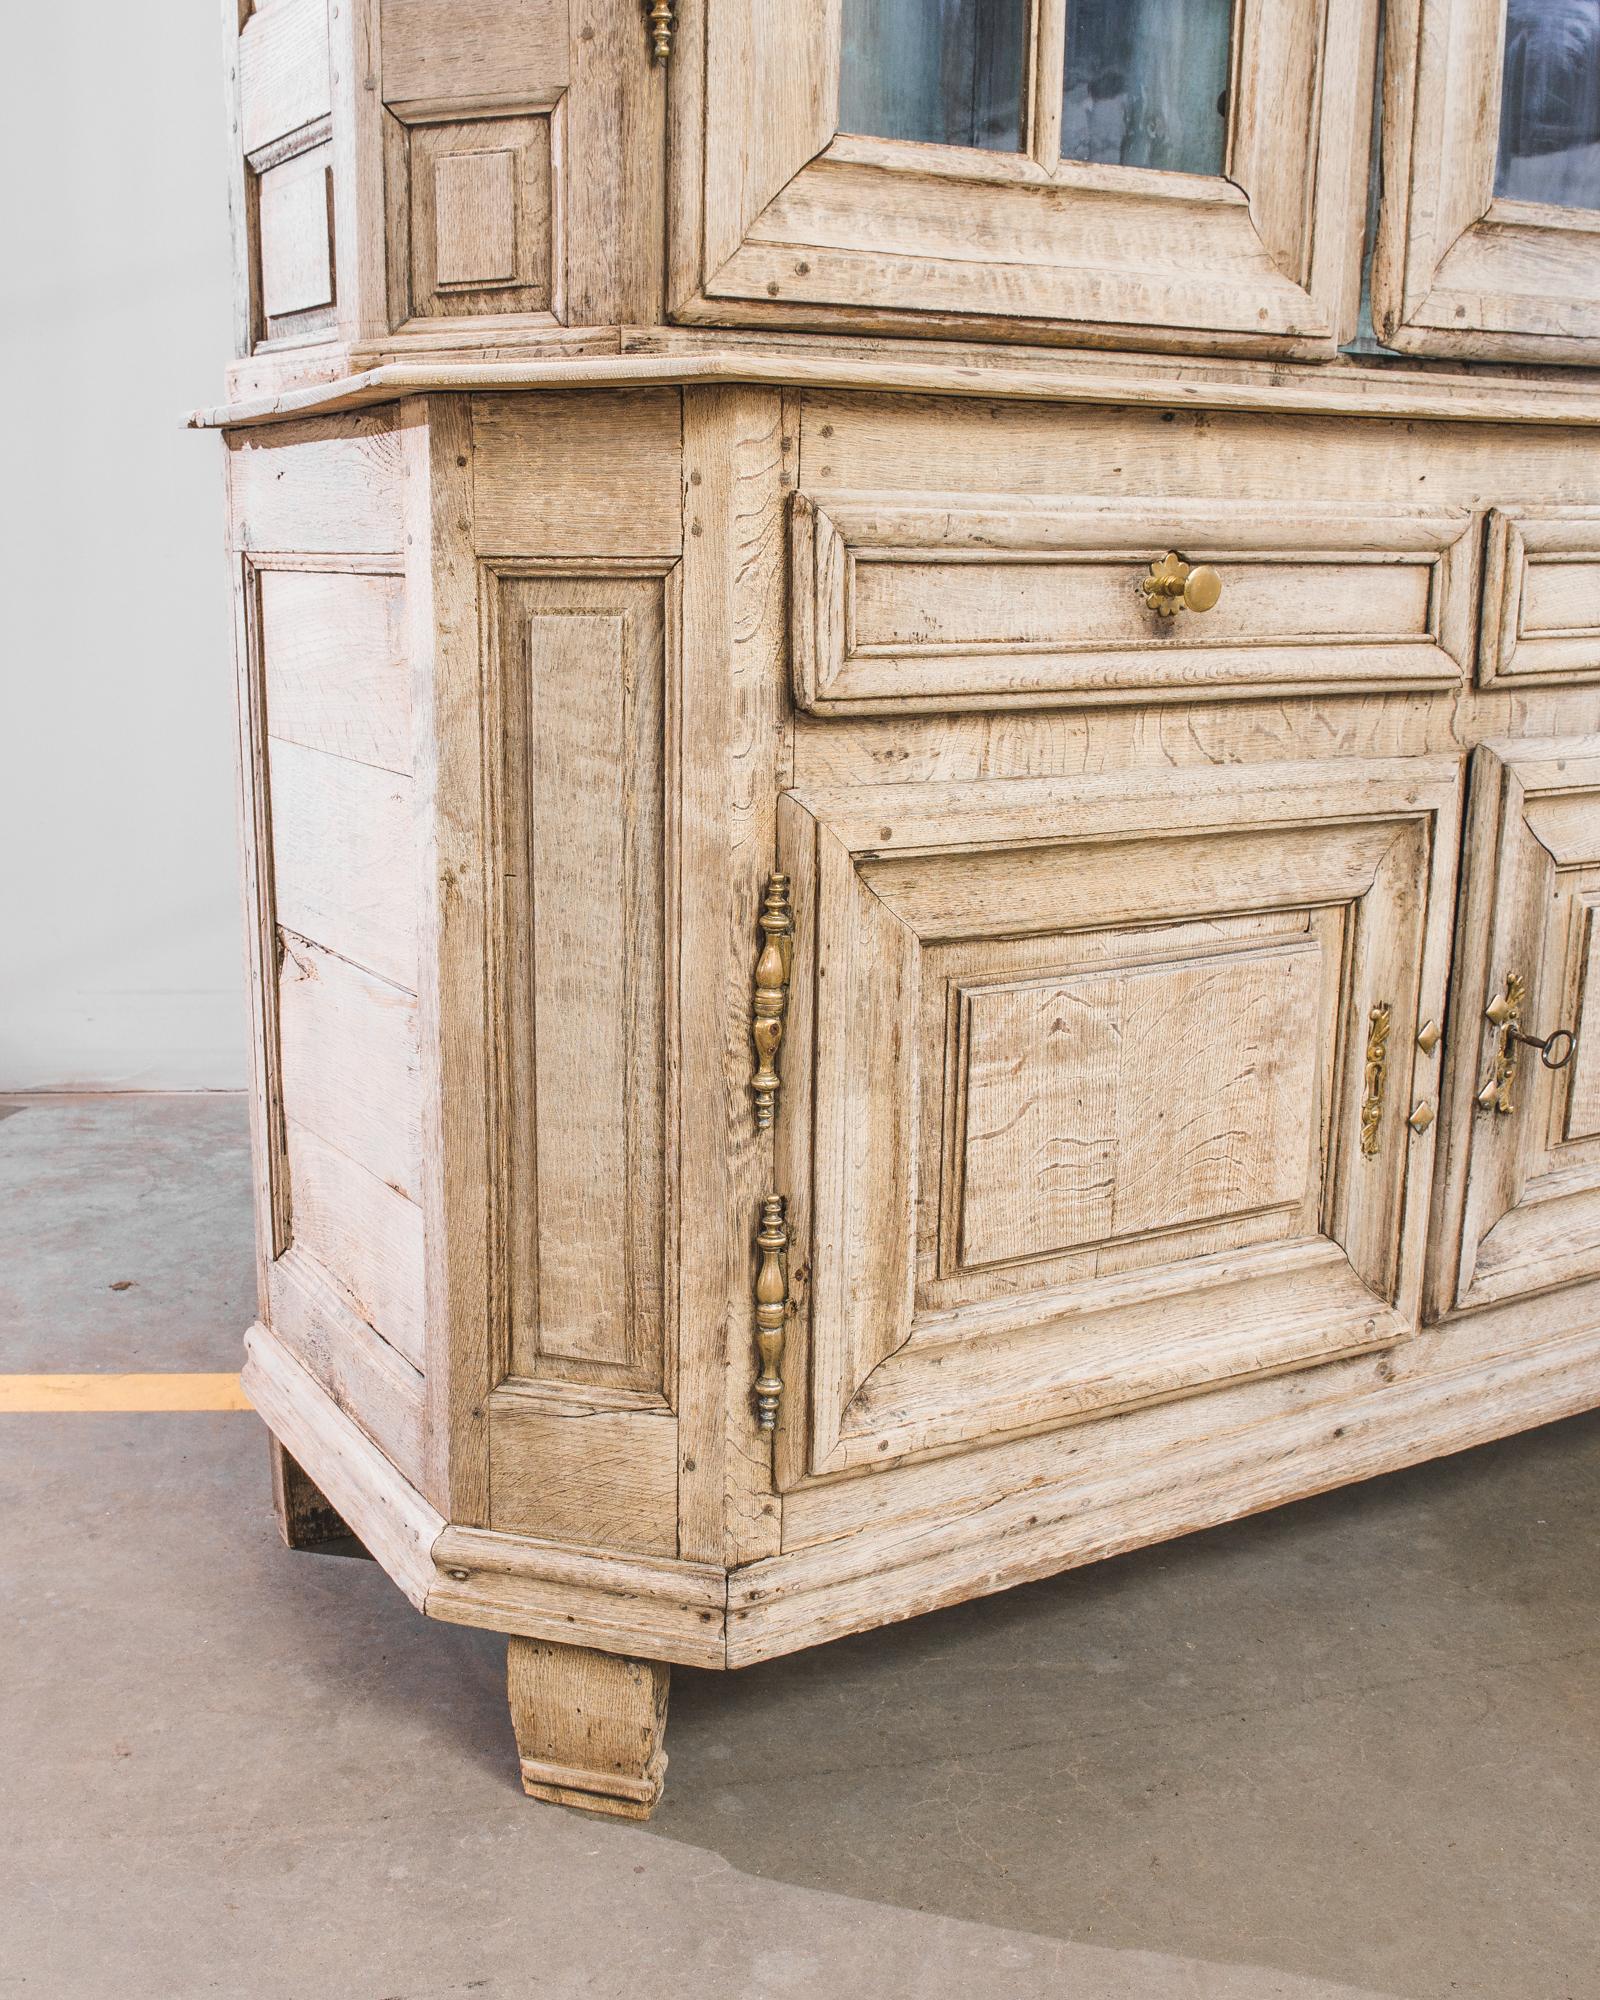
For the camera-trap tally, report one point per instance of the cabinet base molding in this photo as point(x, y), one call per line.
point(589, 1726)
point(659, 1607)
point(881, 1574)
point(698, 1614)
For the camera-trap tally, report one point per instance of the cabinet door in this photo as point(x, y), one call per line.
point(1522, 1195)
point(1104, 1088)
point(1489, 234)
point(1184, 173)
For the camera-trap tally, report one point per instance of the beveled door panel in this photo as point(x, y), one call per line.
point(1521, 1199)
point(1043, 169)
point(1489, 233)
point(1106, 1087)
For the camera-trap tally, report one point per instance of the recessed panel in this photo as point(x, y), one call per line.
point(583, 975)
point(295, 220)
point(470, 203)
point(1541, 600)
point(1134, 1101)
point(1583, 1087)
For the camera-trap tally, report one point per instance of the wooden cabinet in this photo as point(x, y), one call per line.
point(882, 966)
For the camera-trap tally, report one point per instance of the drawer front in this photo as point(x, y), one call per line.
point(1102, 1091)
point(1541, 597)
point(907, 603)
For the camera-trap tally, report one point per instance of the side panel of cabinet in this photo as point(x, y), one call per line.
point(1110, 1087)
point(328, 761)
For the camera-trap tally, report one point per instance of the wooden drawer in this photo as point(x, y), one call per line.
point(911, 602)
point(1541, 597)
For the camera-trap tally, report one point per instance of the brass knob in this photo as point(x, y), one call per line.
point(1174, 584)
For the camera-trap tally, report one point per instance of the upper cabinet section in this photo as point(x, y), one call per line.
point(1489, 242)
point(1152, 173)
point(518, 178)
point(453, 174)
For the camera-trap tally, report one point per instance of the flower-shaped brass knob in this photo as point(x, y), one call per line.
point(1175, 585)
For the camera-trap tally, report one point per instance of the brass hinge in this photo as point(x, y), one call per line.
point(771, 995)
point(772, 1307)
point(663, 25)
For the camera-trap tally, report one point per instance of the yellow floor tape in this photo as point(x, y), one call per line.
point(40, 1394)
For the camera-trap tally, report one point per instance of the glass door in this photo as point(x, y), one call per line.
point(1489, 238)
point(1181, 173)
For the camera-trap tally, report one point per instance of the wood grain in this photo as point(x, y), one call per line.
point(364, 1235)
point(455, 954)
point(344, 859)
point(337, 677)
point(577, 475)
point(283, 71)
point(349, 1062)
point(468, 49)
point(571, 1470)
point(589, 1726)
point(316, 486)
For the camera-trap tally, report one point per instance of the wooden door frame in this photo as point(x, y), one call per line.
point(1458, 271)
point(778, 219)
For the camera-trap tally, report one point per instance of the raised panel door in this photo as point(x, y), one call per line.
point(1109, 1089)
point(1521, 1207)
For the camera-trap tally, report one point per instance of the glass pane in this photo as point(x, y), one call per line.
point(948, 72)
point(1147, 83)
point(1550, 107)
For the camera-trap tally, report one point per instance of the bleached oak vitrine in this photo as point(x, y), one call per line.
point(922, 828)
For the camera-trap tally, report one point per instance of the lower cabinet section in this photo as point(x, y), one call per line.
point(1114, 1085)
point(822, 1047)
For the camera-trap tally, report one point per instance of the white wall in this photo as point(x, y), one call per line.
point(119, 927)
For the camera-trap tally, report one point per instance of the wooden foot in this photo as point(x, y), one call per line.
point(305, 1519)
point(589, 1726)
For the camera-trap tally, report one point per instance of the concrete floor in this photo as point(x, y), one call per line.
point(1352, 1748)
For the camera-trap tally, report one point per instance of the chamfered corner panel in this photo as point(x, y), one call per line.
point(1111, 1087)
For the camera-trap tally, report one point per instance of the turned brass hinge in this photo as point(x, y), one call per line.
point(663, 25)
point(772, 1307)
point(771, 995)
